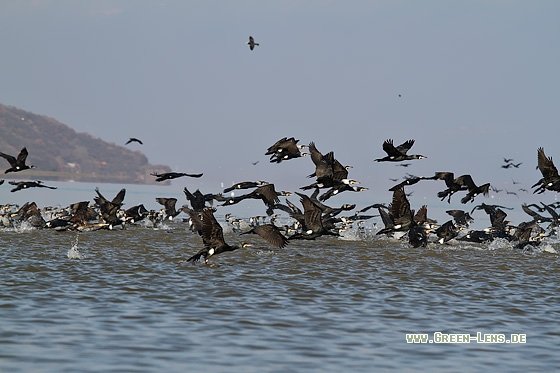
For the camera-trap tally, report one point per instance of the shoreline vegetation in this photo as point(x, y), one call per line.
point(62, 154)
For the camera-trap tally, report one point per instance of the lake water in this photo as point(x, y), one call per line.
point(125, 301)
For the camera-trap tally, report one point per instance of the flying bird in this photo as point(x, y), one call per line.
point(212, 235)
point(134, 139)
point(399, 153)
point(172, 175)
point(28, 184)
point(550, 179)
point(251, 43)
point(17, 164)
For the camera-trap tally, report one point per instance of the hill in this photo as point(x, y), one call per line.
point(61, 153)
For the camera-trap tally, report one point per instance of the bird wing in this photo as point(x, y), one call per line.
point(545, 164)
point(9, 158)
point(22, 156)
point(405, 146)
point(119, 197)
point(271, 234)
point(212, 232)
point(390, 149)
point(316, 155)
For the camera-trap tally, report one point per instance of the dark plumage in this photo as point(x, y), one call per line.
point(109, 209)
point(169, 206)
point(285, 149)
point(212, 236)
point(408, 181)
point(399, 153)
point(550, 179)
point(197, 199)
point(400, 216)
point(251, 43)
point(28, 184)
point(270, 233)
point(172, 175)
point(134, 139)
point(266, 193)
point(461, 218)
point(463, 182)
point(245, 185)
point(312, 224)
point(17, 164)
point(447, 231)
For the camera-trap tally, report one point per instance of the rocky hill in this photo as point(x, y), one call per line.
point(60, 153)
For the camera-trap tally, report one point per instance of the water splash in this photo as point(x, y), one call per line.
point(74, 252)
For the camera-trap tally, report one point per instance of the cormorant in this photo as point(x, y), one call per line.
point(399, 217)
point(266, 193)
point(312, 225)
point(28, 184)
point(172, 175)
point(245, 185)
point(550, 179)
point(447, 231)
point(285, 149)
point(134, 139)
point(461, 218)
point(198, 200)
point(17, 164)
point(251, 43)
point(270, 233)
point(398, 154)
point(169, 205)
point(212, 236)
point(110, 209)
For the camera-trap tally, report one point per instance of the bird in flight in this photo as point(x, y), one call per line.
point(17, 164)
point(172, 175)
point(251, 43)
point(134, 139)
point(20, 185)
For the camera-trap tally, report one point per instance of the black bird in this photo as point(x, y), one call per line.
point(28, 184)
point(408, 181)
point(285, 149)
point(461, 218)
point(550, 179)
point(198, 200)
point(251, 43)
point(453, 185)
point(110, 209)
point(136, 213)
point(172, 175)
point(270, 233)
point(473, 189)
point(312, 225)
point(400, 216)
point(463, 182)
point(447, 231)
point(1, 181)
point(340, 188)
point(266, 193)
point(212, 236)
point(169, 206)
point(17, 164)
point(134, 139)
point(245, 185)
point(497, 221)
point(399, 153)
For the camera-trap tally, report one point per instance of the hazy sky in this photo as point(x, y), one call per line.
point(478, 80)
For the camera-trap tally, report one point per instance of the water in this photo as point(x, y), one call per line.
point(125, 301)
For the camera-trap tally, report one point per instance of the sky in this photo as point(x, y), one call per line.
point(471, 82)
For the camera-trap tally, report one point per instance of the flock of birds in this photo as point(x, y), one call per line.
point(315, 218)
